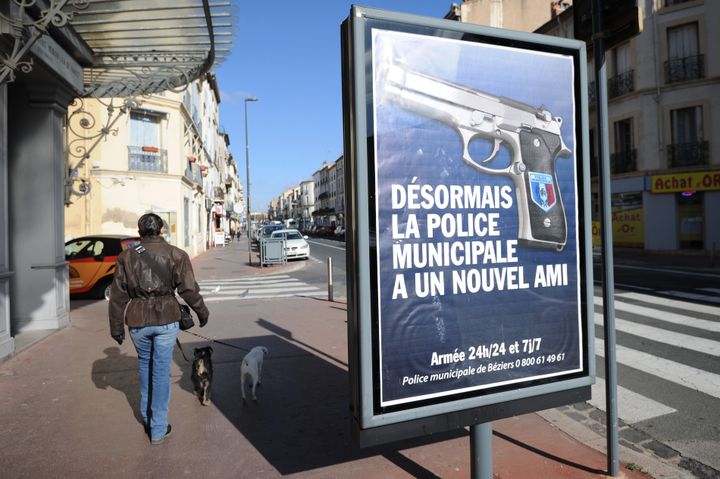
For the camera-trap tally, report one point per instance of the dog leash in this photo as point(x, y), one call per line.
point(213, 341)
point(177, 341)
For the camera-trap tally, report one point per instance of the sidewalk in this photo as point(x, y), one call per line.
point(69, 406)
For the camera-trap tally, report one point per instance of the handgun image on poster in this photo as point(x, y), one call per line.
point(476, 216)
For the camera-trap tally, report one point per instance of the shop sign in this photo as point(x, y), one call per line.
point(701, 180)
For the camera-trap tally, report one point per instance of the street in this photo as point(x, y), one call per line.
point(668, 335)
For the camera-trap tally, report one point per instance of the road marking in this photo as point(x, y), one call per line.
point(632, 407)
point(257, 287)
point(633, 286)
point(666, 270)
point(701, 297)
point(686, 376)
point(325, 244)
point(685, 341)
point(673, 303)
point(664, 316)
point(247, 279)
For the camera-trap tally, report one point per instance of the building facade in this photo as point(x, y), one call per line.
point(663, 125)
point(53, 53)
point(166, 156)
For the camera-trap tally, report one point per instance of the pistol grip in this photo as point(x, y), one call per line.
point(542, 221)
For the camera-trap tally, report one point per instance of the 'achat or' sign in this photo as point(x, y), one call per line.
point(468, 234)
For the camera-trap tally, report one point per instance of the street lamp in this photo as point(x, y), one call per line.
point(247, 180)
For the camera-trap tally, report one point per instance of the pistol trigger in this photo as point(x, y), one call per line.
point(496, 148)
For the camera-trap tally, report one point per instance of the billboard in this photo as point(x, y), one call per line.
point(467, 229)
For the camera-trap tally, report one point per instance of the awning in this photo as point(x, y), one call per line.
point(140, 47)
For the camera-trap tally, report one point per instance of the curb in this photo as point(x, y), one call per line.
point(586, 424)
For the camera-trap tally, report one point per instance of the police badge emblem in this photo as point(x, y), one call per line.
point(542, 191)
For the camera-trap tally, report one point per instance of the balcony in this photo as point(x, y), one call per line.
point(147, 158)
point(621, 84)
point(623, 161)
point(193, 173)
point(684, 69)
point(688, 154)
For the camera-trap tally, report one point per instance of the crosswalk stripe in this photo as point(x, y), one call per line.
point(311, 294)
point(701, 297)
point(632, 407)
point(246, 279)
point(665, 316)
point(686, 376)
point(685, 341)
point(257, 287)
point(673, 303)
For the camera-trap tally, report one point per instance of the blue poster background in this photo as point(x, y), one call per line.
point(413, 149)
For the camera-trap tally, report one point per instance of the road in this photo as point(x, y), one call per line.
point(668, 346)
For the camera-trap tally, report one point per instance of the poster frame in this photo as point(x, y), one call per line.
point(372, 423)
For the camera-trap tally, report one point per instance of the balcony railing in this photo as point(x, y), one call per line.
point(623, 161)
point(147, 158)
point(194, 174)
point(684, 69)
point(621, 84)
point(688, 154)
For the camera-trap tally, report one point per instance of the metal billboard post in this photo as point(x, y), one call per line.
point(481, 465)
point(608, 280)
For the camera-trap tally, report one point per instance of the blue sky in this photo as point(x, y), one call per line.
point(287, 54)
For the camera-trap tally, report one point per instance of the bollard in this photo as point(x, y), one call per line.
point(330, 279)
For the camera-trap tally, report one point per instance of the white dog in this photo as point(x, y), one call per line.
point(251, 366)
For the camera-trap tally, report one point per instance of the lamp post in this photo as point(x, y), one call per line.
point(247, 182)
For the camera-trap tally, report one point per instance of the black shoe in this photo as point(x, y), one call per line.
point(160, 440)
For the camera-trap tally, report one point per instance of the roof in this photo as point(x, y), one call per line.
point(129, 47)
point(148, 46)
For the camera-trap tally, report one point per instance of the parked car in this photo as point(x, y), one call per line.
point(92, 262)
point(295, 244)
point(266, 230)
point(270, 229)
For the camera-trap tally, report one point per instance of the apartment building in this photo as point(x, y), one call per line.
point(167, 155)
point(664, 121)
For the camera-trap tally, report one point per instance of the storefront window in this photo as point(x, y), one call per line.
point(690, 217)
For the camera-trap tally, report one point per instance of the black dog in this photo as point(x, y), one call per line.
point(202, 372)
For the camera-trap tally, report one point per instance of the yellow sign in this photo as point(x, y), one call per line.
point(628, 228)
point(702, 180)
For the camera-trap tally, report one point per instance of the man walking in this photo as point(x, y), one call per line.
point(146, 303)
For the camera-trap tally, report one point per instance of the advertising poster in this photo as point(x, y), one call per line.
point(476, 218)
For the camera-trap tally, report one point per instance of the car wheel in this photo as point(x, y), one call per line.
point(102, 290)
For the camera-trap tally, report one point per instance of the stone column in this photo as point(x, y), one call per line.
point(36, 170)
point(7, 344)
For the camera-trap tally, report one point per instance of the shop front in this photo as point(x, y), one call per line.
point(675, 211)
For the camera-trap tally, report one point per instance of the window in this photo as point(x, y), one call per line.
point(688, 147)
point(144, 129)
point(624, 158)
point(623, 81)
point(684, 59)
point(144, 152)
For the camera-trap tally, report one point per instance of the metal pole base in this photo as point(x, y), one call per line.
point(481, 451)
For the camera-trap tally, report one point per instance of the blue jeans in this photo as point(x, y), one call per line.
point(154, 346)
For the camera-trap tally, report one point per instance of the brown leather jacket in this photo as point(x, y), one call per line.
point(140, 298)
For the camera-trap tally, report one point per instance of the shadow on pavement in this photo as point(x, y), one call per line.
point(104, 376)
point(301, 420)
